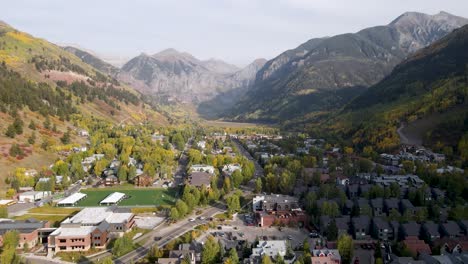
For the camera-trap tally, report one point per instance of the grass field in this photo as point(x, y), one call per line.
point(136, 197)
point(47, 213)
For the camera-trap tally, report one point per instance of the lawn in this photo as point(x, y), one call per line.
point(136, 196)
point(47, 213)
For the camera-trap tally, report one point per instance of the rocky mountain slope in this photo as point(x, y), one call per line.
point(93, 60)
point(179, 75)
point(323, 74)
point(430, 84)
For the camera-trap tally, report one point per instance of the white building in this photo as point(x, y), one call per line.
point(33, 196)
point(230, 168)
point(202, 167)
point(271, 248)
point(201, 144)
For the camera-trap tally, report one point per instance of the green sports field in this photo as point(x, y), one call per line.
point(136, 197)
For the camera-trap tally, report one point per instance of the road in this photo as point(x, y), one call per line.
point(243, 151)
point(165, 232)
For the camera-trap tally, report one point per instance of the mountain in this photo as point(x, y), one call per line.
point(179, 75)
point(93, 60)
point(427, 92)
point(325, 73)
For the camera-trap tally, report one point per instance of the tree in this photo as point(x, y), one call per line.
point(174, 214)
point(10, 242)
point(16, 150)
point(3, 212)
point(47, 123)
point(182, 208)
point(122, 173)
point(332, 231)
point(154, 254)
point(10, 132)
point(32, 125)
point(346, 248)
point(266, 259)
point(32, 138)
point(227, 185)
point(365, 165)
point(233, 257)
point(258, 185)
point(122, 245)
point(65, 138)
point(18, 125)
point(210, 253)
point(408, 166)
point(306, 246)
point(233, 203)
point(236, 178)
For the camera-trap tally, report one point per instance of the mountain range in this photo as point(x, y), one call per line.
point(324, 74)
point(181, 76)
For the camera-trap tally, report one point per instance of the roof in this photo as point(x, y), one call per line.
point(377, 203)
point(406, 203)
point(452, 228)
point(23, 226)
point(73, 231)
point(391, 203)
point(361, 222)
point(199, 178)
point(411, 228)
point(116, 218)
point(96, 215)
point(72, 199)
point(380, 223)
point(342, 222)
point(270, 248)
point(417, 246)
point(113, 198)
point(432, 228)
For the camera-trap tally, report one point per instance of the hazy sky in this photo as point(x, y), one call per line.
point(236, 31)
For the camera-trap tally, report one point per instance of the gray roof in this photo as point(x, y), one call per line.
point(377, 203)
point(362, 221)
point(431, 228)
point(380, 223)
point(452, 228)
point(411, 229)
point(22, 226)
point(361, 202)
point(342, 222)
point(199, 178)
point(391, 203)
point(406, 203)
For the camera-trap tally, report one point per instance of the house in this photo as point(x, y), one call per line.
point(410, 229)
point(438, 194)
point(382, 230)
point(391, 204)
point(363, 189)
point(430, 231)
point(278, 209)
point(199, 179)
point(353, 191)
point(180, 255)
point(83, 133)
point(201, 144)
point(377, 205)
point(342, 224)
point(143, 180)
point(229, 169)
point(364, 207)
point(202, 167)
point(91, 227)
point(33, 196)
point(325, 256)
point(360, 227)
point(271, 248)
point(417, 246)
point(111, 180)
point(28, 230)
point(464, 226)
point(451, 229)
point(324, 222)
point(31, 173)
point(347, 207)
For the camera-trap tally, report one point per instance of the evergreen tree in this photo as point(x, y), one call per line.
point(65, 138)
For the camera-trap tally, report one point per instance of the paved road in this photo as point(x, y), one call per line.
point(165, 232)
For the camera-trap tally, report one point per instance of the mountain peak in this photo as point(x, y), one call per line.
point(168, 52)
point(417, 18)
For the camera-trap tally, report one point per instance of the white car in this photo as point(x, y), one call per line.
point(191, 220)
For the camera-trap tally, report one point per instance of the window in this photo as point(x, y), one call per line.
point(62, 240)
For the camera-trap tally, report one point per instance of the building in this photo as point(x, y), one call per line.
point(410, 230)
point(72, 200)
point(391, 204)
point(271, 248)
point(360, 227)
point(28, 230)
point(430, 231)
point(325, 256)
point(200, 178)
point(202, 167)
point(91, 227)
point(33, 196)
point(382, 230)
point(177, 256)
point(231, 168)
point(278, 209)
point(377, 205)
point(451, 230)
point(417, 246)
point(113, 199)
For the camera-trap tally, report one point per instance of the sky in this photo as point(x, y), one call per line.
point(236, 31)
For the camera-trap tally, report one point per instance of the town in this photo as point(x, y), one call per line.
point(141, 194)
